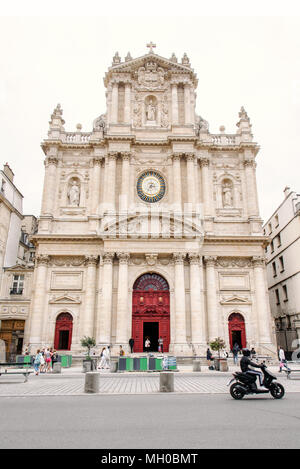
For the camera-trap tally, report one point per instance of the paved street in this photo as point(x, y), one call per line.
point(71, 382)
point(152, 421)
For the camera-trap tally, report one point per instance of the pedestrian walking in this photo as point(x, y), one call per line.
point(131, 344)
point(42, 361)
point(47, 357)
point(102, 359)
point(209, 359)
point(54, 357)
point(147, 344)
point(282, 360)
point(161, 344)
point(37, 362)
point(235, 351)
point(253, 353)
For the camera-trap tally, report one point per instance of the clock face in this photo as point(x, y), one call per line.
point(151, 186)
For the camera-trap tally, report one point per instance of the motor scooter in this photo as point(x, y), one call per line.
point(245, 383)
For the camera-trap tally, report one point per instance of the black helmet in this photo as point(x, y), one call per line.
point(246, 352)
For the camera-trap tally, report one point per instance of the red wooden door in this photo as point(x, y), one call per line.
point(236, 323)
point(150, 303)
point(64, 323)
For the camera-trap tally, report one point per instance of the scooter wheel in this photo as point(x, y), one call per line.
point(236, 391)
point(277, 391)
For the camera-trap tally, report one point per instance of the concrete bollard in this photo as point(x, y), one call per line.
point(166, 382)
point(91, 384)
point(196, 365)
point(56, 367)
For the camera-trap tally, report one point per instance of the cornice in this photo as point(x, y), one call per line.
point(210, 239)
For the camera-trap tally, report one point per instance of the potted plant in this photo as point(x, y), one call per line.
point(88, 343)
point(217, 345)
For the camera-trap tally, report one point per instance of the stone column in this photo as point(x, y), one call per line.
point(49, 185)
point(198, 332)
point(110, 181)
point(179, 292)
point(125, 188)
point(211, 298)
point(252, 202)
point(177, 181)
point(38, 312)
point(88, 313)
point(127, 103)
point(174, 104)
point(187, 104)
point(190, 157)
point(206, 188)
point(114, 103)
point(96, 186)
point(106, 303)
point(261, 296)
point(122, 305)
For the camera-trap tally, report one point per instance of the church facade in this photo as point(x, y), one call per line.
point(150, 224)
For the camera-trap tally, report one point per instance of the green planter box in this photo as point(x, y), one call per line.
point(66, 360)
point(129, 364)
point(158, 364)
point(143, 364)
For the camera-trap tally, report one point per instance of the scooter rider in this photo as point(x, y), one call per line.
point(246, 362)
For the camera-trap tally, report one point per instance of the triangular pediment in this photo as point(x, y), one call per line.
point(235, 300)
point(64, 299)
point(132, 66)
point(18, 268)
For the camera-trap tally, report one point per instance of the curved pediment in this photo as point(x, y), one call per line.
point(152, 226)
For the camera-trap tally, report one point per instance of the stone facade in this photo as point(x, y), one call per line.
point(150, 190)
point(283, 273)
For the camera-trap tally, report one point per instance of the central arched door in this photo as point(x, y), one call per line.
point(150, 312)
point(237, 331)
point(63, 332)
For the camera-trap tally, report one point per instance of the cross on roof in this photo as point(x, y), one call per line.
point(151, 45)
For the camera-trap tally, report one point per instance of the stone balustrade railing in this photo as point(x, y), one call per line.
point(76, 137)
point(220, 139)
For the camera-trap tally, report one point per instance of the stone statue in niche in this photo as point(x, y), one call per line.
point(227, 194)
point(151, 111)
point(74, 194)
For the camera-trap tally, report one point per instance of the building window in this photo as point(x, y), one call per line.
point(18, 285)
point(281, 263)
point(276, 221)
point(277, 297)
point(3, 186)
point(274, 269)
point(285, 293)
point(278, 240)
point(272, 246)
point(270, 228)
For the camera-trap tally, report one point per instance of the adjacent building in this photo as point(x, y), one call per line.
point(283, 269)
point(16, 263)
point(150, 224)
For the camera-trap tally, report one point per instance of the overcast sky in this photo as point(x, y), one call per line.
point(245, 60)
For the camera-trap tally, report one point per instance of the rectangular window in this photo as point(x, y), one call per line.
point(281, 263)
point(278, 240)
point(18, 285)
point(272, 246)
point(276, 221)
point(274, 269)
point(270, 228)
point(285, 293)
point(277, 297)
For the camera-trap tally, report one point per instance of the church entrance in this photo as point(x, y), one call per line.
point(150, 312)
point(63, 332)
point(237, 332)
